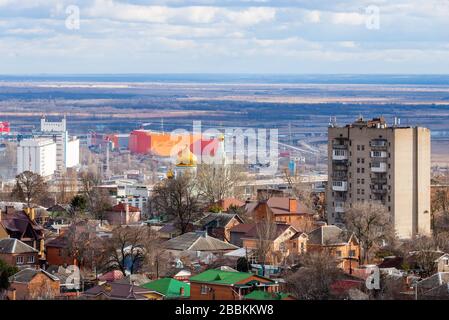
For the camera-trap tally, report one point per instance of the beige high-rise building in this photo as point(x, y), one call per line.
point(371, 161)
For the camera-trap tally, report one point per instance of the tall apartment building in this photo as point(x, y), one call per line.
point(370, 161)
point(67, 147)
point(37, 155)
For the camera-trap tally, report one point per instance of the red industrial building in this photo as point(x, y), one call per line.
point(4, 127)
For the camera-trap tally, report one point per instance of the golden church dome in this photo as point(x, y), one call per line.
point(186, 158)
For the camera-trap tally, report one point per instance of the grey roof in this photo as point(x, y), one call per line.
point(26, 275)
point(436, 280)
point(219, 219)
point(14, 246)
point(118, 291)
point(328, 235)
point(197, 241)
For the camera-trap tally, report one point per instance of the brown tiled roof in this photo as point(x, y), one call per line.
point(281, 205)
point(19, 222)
point(121, 207)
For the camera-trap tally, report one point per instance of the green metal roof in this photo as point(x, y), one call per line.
point(170, 288)
point(262, 295)
point(214, 276)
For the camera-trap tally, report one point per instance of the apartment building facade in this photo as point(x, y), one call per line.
point(371, 161)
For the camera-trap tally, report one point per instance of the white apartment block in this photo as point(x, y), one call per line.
point(37, 155)
point(370, 161)
point(67, 155)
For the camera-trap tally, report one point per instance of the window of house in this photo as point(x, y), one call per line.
point(338, 253)
point(30, 259)
point(358, 170)
point(358, 147)
point(363, 181)
point(204, 289)
point(19, 260)
point(363, 160)
point(363, 147)
point(358, 160)
point(352, 253)
point(363, 170)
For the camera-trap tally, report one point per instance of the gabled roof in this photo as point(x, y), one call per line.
point(215, 276)
point(19, 222)
point(14, 246)
point(26, 275)
point(197, 241)
point(218, 219)
point(118, 291)
point(168, 287)
point(59, 208)
point(328, 235)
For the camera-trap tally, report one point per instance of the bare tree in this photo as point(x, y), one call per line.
point(126, 248)
point(422, 251)
point(218, 181)
point(300, 189)
point(30, 188)
point(266, 231)
point(370, 222)
point(319, 270)
point(98, 200)
point(179, 200)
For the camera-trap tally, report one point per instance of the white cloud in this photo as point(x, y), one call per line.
point(348, 18)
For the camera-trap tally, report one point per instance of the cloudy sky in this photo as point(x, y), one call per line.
point(224, 36)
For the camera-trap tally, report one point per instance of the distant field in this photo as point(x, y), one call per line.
point(114, 105)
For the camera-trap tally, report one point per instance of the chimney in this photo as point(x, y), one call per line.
point(292, 205)
point(181, 291)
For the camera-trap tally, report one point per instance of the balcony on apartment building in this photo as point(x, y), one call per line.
point(340, 154)
point(379, 167)
point(339, 185)
point(379, 154)
point(339, 207)
point(379, 189)
point(378, 144)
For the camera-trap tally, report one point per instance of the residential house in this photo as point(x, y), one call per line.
point(16, 253)
point(283, 209)
point(32, 283)
point(57, 251)
point(215, 284)
point(286, 240)
point(21, 225)
point(218, 225)
point(116, 291)
point(343, 246)
point(443, 263)
point(167, 288)
point(123, 214)
point(435, 287)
